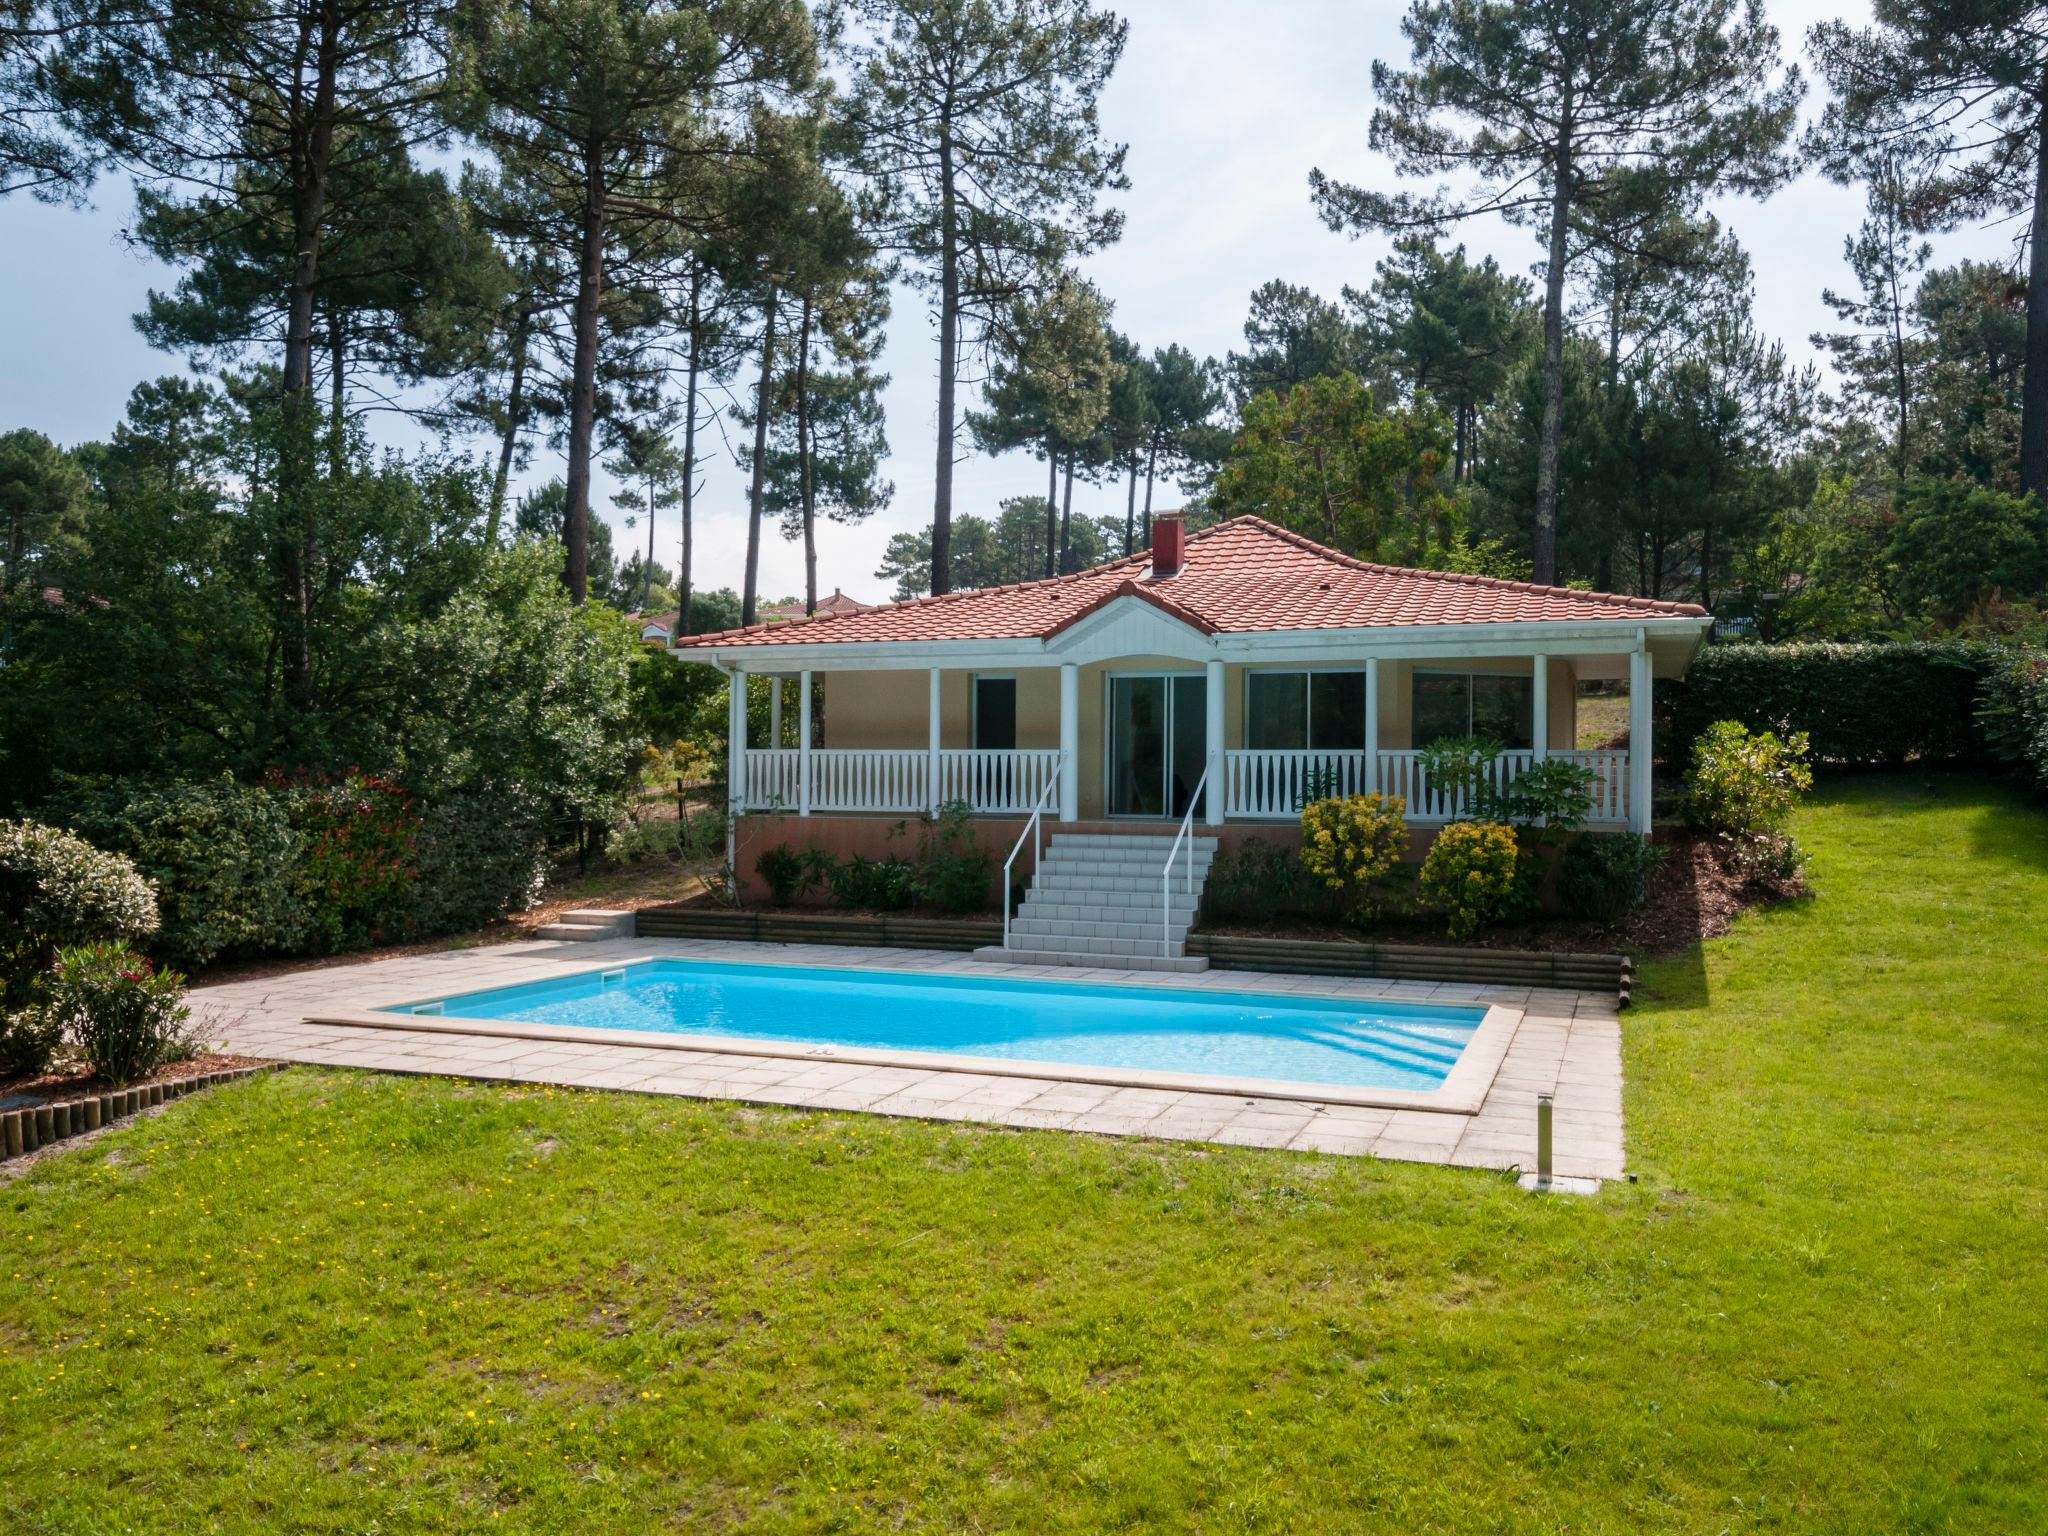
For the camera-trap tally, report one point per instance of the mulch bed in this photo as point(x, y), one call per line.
point(1694, 894)
point(58, 1087)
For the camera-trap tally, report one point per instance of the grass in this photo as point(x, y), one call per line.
point(330, 1302)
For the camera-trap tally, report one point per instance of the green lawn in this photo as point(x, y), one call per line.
point(326, 1302)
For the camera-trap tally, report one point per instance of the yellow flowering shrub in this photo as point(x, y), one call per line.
point(1348, 843)
point(1469, 874)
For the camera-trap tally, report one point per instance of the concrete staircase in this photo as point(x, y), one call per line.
point(1095, 901)
point(588, 924)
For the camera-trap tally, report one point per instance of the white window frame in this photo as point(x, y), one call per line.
point(1308, 728)
point(1420, 671)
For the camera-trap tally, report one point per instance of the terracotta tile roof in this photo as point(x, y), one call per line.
point(1242, 576)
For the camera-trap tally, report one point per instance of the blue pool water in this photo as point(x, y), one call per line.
point(1233, 1034)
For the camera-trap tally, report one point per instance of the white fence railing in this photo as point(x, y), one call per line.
point(1273, 786)
point(898, 780)
point(1258, 786)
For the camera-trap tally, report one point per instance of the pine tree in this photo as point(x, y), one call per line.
point(1960, 93)
point(976, 122)
point(1556, 107)
point(1184, 396)
point(590, 105)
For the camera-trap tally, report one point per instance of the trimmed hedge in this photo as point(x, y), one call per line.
point(1881, 703)
point(2013, 718)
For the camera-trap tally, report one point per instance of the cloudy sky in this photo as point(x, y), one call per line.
point(1225, 104)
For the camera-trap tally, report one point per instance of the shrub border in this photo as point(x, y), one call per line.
point(36, 1126)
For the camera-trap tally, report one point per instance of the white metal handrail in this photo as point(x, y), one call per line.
point(1031, 830)
point(1187, 823)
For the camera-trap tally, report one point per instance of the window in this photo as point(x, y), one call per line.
point(1289, 711)
point(995, 714)
point(1493, 705)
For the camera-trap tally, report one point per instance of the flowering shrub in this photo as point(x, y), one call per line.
point(1742, 784)
point(1469, 874)
point(55, 889)
point(359, 857)
point(126, 1017)
point(1348, 844)
point(222, 855)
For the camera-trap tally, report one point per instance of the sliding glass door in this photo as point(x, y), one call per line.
point(1158, 737)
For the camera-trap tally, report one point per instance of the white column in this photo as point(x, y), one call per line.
point(1372, 725)
point(736, 738)
point(931, 788)
point(1213, 800)
point(1639, 740)
point(1539, 709)
point(775, 711)
point(1070, 742)
point(803, 741)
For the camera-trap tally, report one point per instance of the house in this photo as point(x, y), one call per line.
point(660, 628)
point(837, 603)
point(1212, 684)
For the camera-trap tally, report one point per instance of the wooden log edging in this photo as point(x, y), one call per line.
point(1419, 962)
point(796, 927)
point(35, 1126)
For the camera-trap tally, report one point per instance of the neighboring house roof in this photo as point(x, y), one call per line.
point(1244, 576)
point(837, 603)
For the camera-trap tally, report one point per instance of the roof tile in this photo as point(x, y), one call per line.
point(1242, 576)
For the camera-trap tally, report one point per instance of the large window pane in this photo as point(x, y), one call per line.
point(1190, 740)
point(1500, 709)
point(1336, 711)
point(995, 714)
point(1443, 706)
point(1137, 746)
point(1277, 712)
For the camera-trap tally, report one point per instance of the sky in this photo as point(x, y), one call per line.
point(1226, 105)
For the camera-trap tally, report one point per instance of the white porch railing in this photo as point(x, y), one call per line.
point(1273, 786)
point(997, 783)
point(898, 780)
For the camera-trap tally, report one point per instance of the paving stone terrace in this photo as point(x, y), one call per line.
point(1566, 1044)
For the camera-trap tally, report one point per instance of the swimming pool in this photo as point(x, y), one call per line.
point(1341, 1042)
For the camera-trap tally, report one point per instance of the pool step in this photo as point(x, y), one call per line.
point(588, 923)
point(1186, 964)
point(1100, 901)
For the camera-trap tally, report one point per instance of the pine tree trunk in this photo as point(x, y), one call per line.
point(806, 493)
point(1067, 519)
point(690, 445)
point(2034, 378)
point(1544, 540)
point(1052, 507)
point(583, 390)
point(949, 348)
point(515, 411)
point(1151, 464)
point(749, 597)
point(647, 570)
point(1130, 505)
point(295, 544)
point(337, 395)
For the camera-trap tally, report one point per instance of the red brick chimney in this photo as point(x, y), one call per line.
point(1168, 539)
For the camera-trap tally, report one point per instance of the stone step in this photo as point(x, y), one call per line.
point(1055, 927)
point(1161, 841)
point(588, 924)
point(1091, 943)
point(1080, 909)
point(1183, 964)
point(1135, 858)
point(1138, 887)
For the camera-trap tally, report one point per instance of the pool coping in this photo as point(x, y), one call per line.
point(1462, 1092)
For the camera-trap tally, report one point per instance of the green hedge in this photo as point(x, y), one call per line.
point(308, 867)
point(1880, 703)
point(2013, 717)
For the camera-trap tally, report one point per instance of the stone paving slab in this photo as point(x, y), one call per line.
point(1563, 1043)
